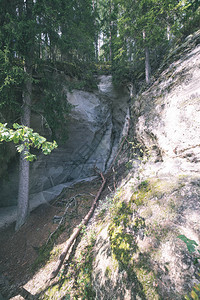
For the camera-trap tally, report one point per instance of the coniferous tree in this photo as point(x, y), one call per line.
point(33, 34)
point(145, 31)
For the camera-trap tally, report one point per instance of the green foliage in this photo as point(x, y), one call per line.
point(191, 246)
point(25, 138)
point(128, 27)
point(194, 294)
point(11, 81)
point(44, 33)
point(142, 193)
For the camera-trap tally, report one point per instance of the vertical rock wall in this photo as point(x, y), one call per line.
point(95, 128)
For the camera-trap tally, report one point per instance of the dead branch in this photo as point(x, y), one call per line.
point(113, 169)
point(77, 231)
point(62, 218)
point(88, 216)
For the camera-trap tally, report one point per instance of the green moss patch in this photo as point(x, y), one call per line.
point(125, 225)
point(151, 188)
point(149, 283)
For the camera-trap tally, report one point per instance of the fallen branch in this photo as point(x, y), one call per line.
point(77, 231)
point(62, 218)
point(88, 216)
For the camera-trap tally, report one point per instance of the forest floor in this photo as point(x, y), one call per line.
point(20, 252)
point(26, 259)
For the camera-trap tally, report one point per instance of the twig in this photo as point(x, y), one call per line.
point(60, 222)
point(62, 218)
point(77, 231)
point(113, 169)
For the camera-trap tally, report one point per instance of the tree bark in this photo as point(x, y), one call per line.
point(147, 66)
point(110, 33)
point(147, 60)
point(23, 191)
point(96, 37)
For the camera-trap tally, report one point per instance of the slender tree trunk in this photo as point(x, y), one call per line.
point(147, 61)
point(23, 191)
point(147, 66)
point(110, 34)
point(96, 37)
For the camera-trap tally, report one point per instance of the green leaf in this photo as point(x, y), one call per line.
point(29, 156)
point(194, 295)
point(16, 126)
point(197, 287)
point(20, 148)
point(191, 244)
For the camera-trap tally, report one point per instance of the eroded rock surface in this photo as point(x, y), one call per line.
point(138, 255)
point(169, 114)
point(95, 129)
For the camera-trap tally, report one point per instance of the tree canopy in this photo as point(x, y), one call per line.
point(134, 31)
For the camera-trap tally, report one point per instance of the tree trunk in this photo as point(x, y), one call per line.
point(147, 60)
point(147, 66)
point(96, 36)
point(23, 191)
point(110, 33)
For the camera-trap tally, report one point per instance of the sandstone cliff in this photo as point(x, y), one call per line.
point(138, 254)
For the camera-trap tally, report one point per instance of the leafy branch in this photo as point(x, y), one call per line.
point(25, 138)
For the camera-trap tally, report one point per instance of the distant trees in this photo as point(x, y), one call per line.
point(140, 32)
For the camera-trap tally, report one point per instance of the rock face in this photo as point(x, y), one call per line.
point(138, 254)
point(169, 114)
point(95, 129)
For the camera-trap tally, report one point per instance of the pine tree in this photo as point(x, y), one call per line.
point(33, 34)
